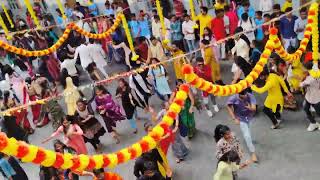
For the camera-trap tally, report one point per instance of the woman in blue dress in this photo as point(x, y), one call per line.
point(160, 82)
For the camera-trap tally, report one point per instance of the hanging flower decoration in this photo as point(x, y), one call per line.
point(7, 15)
point(32, 13)
point(61, 40)
point(47, 158)
point(313, 17)
point(163, 26)
point(135, 57)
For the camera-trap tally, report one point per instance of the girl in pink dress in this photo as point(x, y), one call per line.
point(72, 135)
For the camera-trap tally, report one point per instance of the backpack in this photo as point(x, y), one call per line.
point(250, 19)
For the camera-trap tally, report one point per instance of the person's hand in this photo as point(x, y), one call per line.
point(44, 141)
point(289, 94)
point(249, 107)
point(236, 121)
point(191, 109)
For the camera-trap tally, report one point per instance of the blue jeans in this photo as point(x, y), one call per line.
point(132, 121)
point(191, 45)
point(245, 129)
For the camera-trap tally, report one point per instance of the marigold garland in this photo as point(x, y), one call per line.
point(32, 13)
point(129, 37)
point(313, 16)
point(7, 15)
point(163, 26)
point(61, 40)
point(37, 155)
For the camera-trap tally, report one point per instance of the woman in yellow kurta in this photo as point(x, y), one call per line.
point(177, 62)
point(273, 104)
point(209, 59)
point(298, 74)
point(71, 96)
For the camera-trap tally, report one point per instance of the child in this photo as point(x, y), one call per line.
point(210, 60)
point(259, 21)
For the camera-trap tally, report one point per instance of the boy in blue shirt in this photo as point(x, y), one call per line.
point(259, 22)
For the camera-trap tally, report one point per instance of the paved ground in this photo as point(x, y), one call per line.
point(289, 153)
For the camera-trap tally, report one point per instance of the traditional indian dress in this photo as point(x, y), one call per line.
point(92, 128)
point(71, 96)
point(297, 75)
point(209, 59)
point(177, 63)
point(113, 111)
point(53, 67)
point(75, 141)
point(187, 125)
point(160, 84)
point(129, 104)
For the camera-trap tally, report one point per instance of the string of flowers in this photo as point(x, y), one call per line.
point(32, 13)
point(314, 72)
point(48, 158)
point(129, 37)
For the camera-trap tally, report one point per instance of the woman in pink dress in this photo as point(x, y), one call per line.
point(72, 135)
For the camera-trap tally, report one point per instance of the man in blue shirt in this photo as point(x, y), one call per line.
point(245, 7)
point(287, 29)
point(144, 26)
point(259, 22)
point(108, 11)
point(134, 26)
point(242, 108)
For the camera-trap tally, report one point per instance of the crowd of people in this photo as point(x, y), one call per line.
point(25, 79)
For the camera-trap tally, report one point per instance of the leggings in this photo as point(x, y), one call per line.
point(95, 140)
point(273, 116)
point(306, 108)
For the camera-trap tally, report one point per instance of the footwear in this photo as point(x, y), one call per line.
point(275, 126)
point(312, 127)
point(312, 109)
point(209, 113)
point(279, 121)
point(216, 108)
point(254, 158)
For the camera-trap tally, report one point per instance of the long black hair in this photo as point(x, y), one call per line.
point(230, 156)
point(243, 65)
point(220, 131)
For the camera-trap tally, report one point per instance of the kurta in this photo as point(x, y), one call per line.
point(177, 62)
point(273, 86)
point(75, 141)
point(210, 60)
point(298, 74)
point(187, 123)
point(71, 96)
point(113, 111)
point(160, 80)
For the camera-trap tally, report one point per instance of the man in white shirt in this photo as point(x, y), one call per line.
point(188, 31)
point(312, 98)
point(84, 53)
point(84, 25)
point(300, 24)
point(248, 25)
point(157, 29)
point(98, 55)
point(241, 47)
point(266, 6)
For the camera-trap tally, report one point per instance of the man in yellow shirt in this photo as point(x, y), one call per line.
point(274, 102)
point(204, 19)
point(287, 3)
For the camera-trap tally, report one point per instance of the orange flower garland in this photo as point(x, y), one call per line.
point(37, 155)
point(62, 39)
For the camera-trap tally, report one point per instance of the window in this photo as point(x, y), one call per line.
point(13, 4)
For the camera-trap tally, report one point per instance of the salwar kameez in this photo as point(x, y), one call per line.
point(187, 123)
point(112, 111)
point(210, 60)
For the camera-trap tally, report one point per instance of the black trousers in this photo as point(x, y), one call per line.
point(273, 116)
point(306, 108)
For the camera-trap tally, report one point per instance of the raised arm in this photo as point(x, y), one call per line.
point(263, 89)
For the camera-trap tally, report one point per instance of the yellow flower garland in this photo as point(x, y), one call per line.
point(61, 8)
point(315, 72)
point(48, 158)
point(32, 13)
point(4, 27)
point(163, 26)
point(129, 38)
point(7, 15)
point(61, 40)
